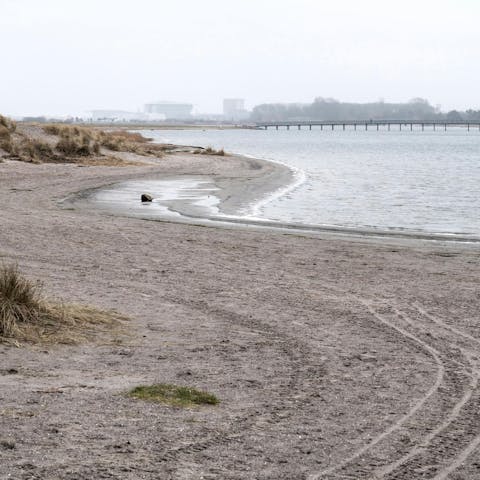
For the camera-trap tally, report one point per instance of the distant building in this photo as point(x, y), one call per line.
point(234, 109)
point(112, 116)
point(171, 110)
point(124, 116)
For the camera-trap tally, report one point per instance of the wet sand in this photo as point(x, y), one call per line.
point(237, 181)
point(333, 358)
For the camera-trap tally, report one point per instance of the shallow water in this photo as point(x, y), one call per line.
point(124, 197)
point(415, 181)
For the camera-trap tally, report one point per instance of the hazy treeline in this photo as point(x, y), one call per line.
point(331, 109)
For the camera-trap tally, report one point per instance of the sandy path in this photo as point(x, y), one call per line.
point(332, 358)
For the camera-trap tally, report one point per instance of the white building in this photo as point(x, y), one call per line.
point(234, 109)
point(123, 116)
point(171, 110)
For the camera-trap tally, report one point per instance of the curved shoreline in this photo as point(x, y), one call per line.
point(299, 177)
point(239, 181)
point(246, 185)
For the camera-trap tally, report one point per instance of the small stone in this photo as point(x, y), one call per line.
point(146, 197)
point(368, 358)
point(9, 371)
point(7, 444)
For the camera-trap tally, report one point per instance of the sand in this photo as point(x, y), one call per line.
point(334, 357)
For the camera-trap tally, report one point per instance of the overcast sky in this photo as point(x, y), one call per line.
point(70, 56)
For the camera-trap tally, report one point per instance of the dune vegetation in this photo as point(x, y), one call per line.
point(209, 151)
point(26, 316)
point(7, 127)
point(62, 143)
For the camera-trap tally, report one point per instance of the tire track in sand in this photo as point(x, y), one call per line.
point(416, 407)
point(433, 459)
point(455, 413)
point(465, 452)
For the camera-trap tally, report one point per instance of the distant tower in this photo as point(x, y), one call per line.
point(234, 109)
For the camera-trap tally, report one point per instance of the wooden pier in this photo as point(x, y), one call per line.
point(373, 125)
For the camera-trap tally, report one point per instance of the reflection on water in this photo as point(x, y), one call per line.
point(422, 181)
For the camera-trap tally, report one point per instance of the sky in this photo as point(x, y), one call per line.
point(66, 57)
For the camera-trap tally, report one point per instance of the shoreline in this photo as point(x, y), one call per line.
point(240, 198)
point(241, 182)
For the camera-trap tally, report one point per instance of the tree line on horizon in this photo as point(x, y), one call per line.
point(325, 109)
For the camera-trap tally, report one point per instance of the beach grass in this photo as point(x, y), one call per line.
point(209, 151)
point(83, 141)
point(130, 136)
point(60, 143)
point(33, 150)
point(10, 125)
point(7, 127)
point(173, 395)
point(27, 316)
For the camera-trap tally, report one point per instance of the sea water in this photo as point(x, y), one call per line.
point(419, 181)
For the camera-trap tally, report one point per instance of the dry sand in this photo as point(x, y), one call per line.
point(333, 358)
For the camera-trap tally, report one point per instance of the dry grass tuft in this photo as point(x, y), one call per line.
point(210, 151)
point(26, 316)
point(32, 150)
point(10, 125)
point(20, 301)
point(7, 127)
point(73, 147)
point(74, 141)
point(6, 145)
point(130, 136)
point(173, 395)
point(83, 141)
point(4, 132)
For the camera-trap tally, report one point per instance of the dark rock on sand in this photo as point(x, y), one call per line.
point(146, 197)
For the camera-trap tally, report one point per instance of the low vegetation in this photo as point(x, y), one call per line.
point(209, 151)
point(26, 316)
point(130, 136)
point(7, 127)
point(64, 143)
point(8, 124)
point(32, 150)
point(83, 141)
point(173, 395)
point(59, 143)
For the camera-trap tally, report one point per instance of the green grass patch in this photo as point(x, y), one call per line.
point(173, 395)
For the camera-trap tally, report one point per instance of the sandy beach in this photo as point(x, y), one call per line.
point(333, 357)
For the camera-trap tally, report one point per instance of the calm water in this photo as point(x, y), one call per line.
point(419, 181)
